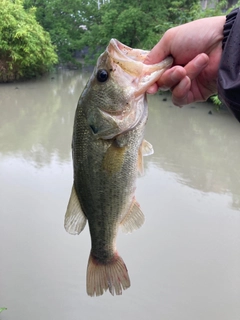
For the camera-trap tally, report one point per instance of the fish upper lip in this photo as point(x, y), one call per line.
point(128, 52)
point(118, 46)
point(131, 61)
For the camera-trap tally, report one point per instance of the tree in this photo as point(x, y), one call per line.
point(92, 23)
point(136, 23)
point(64, 20)
point(25, 48)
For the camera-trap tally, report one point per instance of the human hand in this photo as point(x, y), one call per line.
point(196, 48)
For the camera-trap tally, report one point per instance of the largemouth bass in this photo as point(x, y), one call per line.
point(107, 148)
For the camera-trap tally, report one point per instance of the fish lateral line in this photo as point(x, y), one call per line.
point(108, 150)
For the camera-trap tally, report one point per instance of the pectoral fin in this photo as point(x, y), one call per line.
point(134, 219)
point(146, 149)
point(140, 161)
point(75, 219)
point(114, 159)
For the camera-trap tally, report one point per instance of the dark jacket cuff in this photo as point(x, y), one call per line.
point(230, 18)
point(229, 69)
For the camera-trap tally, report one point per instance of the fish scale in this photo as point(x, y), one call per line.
point(107, 150)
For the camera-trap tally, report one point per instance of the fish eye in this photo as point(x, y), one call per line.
point(102, 75)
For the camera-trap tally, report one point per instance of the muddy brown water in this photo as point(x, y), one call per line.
point(184, 263)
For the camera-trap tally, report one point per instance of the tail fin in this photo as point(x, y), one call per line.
point(112, 276)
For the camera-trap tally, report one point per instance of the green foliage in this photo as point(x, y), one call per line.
point(77, 24)
point(62, 19)
point(236, 5)
point(141, 24)
point(2, 309)
point(81, 23)
point(216, 101)
point(131, 22)
point(25, 48)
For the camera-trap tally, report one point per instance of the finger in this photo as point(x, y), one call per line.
point(196, 66)
point(153, 89)
point(171, 77)
point(181, 94)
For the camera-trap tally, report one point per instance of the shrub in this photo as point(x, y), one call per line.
point(25, 48)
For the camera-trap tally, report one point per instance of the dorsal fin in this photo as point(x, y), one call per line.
point(134, 219)
point(75, 219)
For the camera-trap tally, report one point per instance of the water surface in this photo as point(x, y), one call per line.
point(184, 263)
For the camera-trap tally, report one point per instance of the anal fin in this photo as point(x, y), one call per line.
point(134, 219)
point(75, 219)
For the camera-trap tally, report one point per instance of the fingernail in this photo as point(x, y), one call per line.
point(164, 88)
point(151, 90)
point(177, 105)
point(174, 76)
point(182, 85)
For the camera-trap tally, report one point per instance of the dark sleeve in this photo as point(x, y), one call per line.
point(229, 69)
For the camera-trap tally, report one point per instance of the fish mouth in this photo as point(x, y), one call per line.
point(121, 51)
point(133, 77)
point(131, 61)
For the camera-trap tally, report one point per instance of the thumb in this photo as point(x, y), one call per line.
point(158, 53)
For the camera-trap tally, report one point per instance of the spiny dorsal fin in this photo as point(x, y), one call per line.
point(134, 219)
point(75, 219)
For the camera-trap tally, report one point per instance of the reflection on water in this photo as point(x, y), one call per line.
point(202, 149)
point(36, 117)
point(183, 263)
